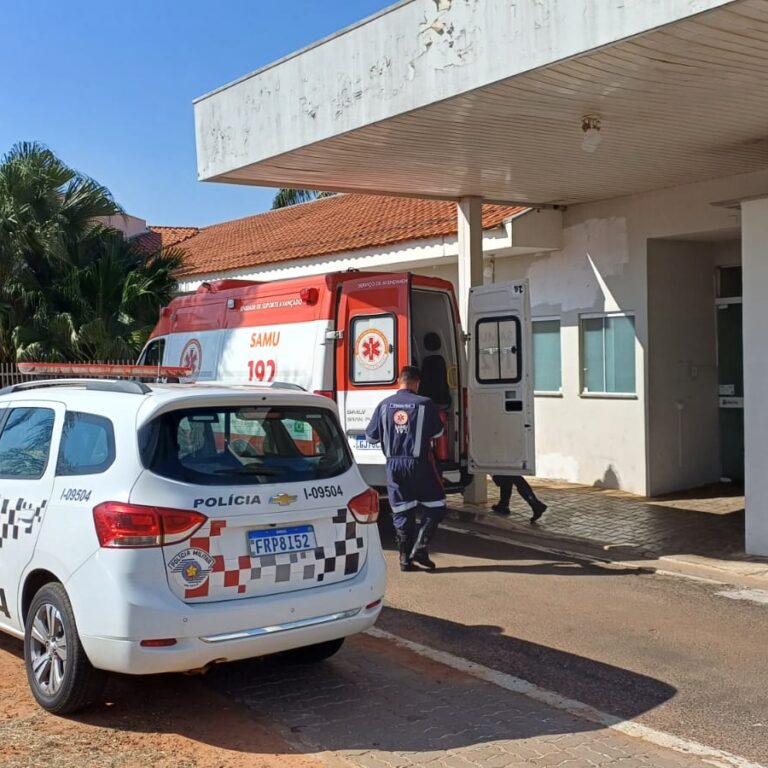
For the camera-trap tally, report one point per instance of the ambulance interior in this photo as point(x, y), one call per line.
point(434, 349)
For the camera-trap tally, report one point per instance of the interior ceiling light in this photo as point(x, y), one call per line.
point(590, 125)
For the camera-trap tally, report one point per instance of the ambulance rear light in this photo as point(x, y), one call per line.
point(309, 295)
point(324, 393)
point(128, 526)
point(365, 507)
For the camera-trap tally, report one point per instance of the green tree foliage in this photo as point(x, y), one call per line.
point(285, 197)
point(71, 288)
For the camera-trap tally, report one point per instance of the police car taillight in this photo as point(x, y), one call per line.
point(121, 525)
point(365, 507)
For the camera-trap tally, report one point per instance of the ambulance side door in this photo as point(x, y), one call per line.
point(195, 339)
point(500, 380)
point(374, 318)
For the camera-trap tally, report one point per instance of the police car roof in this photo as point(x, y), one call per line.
point(89, 394)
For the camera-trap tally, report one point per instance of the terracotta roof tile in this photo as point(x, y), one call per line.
point(326, 226)
point(157, 237)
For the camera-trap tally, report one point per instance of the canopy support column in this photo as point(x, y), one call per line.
point(470, 241)
point(754, 259)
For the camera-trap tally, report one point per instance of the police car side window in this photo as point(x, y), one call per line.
point(87, 445)
point(25, 443)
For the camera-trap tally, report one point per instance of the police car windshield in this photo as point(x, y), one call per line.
point(244, 445)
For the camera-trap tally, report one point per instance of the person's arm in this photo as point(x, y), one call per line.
point(373, 433)
point(433, 423)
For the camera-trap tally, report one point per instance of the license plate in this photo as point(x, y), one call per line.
point(363, 445)
point(279, 540)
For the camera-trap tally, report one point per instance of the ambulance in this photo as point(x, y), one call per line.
point(346, 335)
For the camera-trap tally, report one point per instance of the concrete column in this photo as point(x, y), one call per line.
point(754, 259)
point(470, 217)
point(470, 236)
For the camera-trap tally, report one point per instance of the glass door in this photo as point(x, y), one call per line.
point(730, 368)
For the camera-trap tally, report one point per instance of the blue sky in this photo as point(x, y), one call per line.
point(109, 87)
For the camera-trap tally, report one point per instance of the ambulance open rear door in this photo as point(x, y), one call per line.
point(500, 380)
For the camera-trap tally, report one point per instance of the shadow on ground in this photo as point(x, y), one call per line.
point(372, 696)
point(375, 695)
point(452, 544)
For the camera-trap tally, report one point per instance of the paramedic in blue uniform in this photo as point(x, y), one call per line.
point(406, 424)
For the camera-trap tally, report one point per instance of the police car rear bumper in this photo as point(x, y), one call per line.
point(211, 633)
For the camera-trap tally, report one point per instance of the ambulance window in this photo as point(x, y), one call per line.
point(498, 350)
point(153, 353)
point(374, 354)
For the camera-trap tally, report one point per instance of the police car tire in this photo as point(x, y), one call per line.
point(81, 682)
point(313, 654)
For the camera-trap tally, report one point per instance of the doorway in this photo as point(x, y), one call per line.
point(730, 373)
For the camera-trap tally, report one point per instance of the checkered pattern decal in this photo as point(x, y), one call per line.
point(343, 557)
point(18, 518)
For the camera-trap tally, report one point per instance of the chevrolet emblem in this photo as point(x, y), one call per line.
point(282, 499)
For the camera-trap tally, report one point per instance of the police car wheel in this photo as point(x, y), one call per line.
point(313, 654)
point(59, 673)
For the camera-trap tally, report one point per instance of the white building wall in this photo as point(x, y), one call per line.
point(603, 267)
point(588, 439)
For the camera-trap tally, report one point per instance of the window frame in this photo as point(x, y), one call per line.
point(160, 341)
point(582, 361)
point(147, 444)
point(546, 319)
point(3, 423)
point(395, 342)
point(111, 446)
point(498, 319)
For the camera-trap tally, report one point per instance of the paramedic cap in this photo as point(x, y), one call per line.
point(410, 373)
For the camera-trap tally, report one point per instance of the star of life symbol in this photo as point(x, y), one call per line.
point(401, 421)
point(372, 349)
point(192, 356)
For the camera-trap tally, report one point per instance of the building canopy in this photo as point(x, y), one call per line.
point(450, 98)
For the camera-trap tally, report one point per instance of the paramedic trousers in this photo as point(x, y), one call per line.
point(406, 521)
point(413, 486)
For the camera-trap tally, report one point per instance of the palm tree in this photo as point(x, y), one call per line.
point(287, 197)
point(71, 289)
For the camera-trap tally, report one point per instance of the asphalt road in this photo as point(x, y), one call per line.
point(665, 651)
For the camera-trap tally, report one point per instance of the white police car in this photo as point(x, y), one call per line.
point(165, 528)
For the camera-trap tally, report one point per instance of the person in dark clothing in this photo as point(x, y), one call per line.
point(505, 483)
point(405, 424)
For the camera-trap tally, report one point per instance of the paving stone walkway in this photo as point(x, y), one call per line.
point(379, 706)
point(707, 523)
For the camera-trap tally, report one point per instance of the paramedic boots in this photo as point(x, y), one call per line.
point(419, 554)
point(404, 546)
